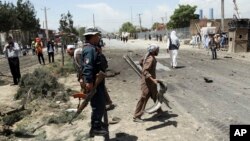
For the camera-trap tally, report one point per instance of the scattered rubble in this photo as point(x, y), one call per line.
point(208, 80)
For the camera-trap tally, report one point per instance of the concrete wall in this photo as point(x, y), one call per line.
point(203, 22)
point(238, 40)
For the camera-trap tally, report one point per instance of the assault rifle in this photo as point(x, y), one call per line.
point(99, 77)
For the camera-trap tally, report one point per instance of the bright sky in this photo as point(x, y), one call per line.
point(111, 14)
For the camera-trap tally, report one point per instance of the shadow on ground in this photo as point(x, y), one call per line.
point(17, 134)
point(124, 137)
point(162, 118)
point(180, 67)
point(164, 124)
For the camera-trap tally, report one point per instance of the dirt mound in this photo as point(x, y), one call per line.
point(41, 82)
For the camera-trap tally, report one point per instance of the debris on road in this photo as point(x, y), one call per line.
point(208, 80)
point(228, 57)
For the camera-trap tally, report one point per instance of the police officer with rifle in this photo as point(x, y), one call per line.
point(91, 68)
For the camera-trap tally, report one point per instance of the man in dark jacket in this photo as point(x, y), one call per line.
point(50, 50)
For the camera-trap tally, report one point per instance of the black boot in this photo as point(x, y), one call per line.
point(97, 132)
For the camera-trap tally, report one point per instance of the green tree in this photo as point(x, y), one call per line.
point(154, 26)
point(182, 16)
point(7, 10)
point(127, 27)
point(67, 24)
point(67, 28)
point(21, 17)
point(26, 16)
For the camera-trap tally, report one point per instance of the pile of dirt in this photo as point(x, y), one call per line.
point(39, 91)
point(41, 82)
point(63, 117)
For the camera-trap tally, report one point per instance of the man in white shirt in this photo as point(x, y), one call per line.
point(75, 53)
point(11, 51)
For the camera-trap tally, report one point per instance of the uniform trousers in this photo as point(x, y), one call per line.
point(98, 106)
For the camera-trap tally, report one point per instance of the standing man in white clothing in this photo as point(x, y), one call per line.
point(11, 51)
point(76, 53)
point(173, 45)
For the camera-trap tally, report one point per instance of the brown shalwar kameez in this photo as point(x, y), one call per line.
point(149, 89)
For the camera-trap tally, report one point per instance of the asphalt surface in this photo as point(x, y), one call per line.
point(25, 61)
point(218, 104)
point(214, 105)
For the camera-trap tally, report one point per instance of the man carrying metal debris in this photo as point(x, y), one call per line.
point(91, 66)
point(148, 81)
point(212, 46)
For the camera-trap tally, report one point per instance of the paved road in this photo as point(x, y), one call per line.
point(217, 104)
point(213, 105)
point(25, 61)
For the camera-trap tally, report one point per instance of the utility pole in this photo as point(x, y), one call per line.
point(131, 11)
point(94, 20)
point(236, 9)
point(152, 20)
point(140, 21)
point(222, 15)
point(166, 16)
point(162, 18)
point(46, 23)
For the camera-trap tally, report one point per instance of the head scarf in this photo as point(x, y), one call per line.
point(173, 35)
point(151, 48)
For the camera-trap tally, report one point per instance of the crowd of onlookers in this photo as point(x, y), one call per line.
point(220, 40)
point(12, 51)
